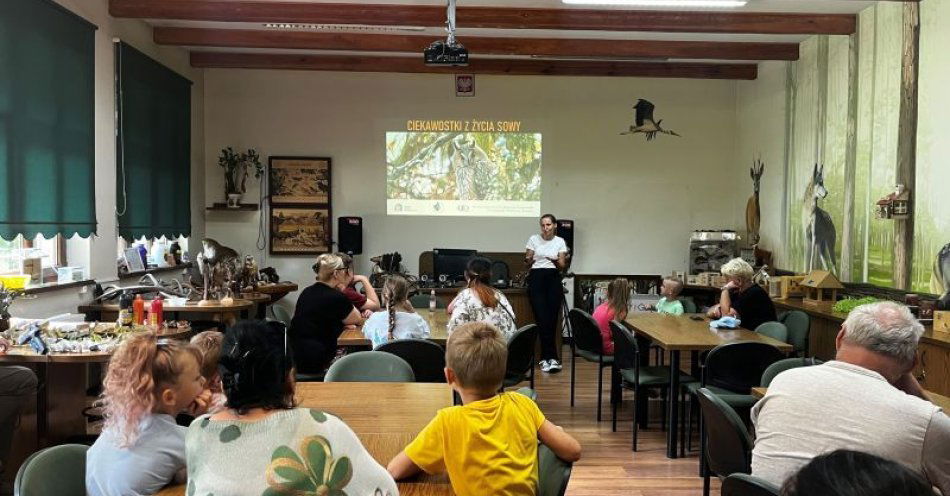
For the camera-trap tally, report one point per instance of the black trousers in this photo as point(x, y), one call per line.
point(546, 294)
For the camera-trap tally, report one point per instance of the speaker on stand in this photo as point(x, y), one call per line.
point(350, 232)
point(565, 229)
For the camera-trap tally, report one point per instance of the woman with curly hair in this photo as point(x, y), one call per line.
point(141, 448)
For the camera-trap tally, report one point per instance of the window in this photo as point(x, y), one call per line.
point(53, 253)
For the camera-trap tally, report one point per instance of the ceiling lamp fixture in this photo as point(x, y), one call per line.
point(339, 27)
point(663, 3)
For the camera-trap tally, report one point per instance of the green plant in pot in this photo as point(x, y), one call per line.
point(237, 167)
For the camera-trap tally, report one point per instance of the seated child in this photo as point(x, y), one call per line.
point(209, 344)
point(141, 449)
point(670, 302)
point(489, 444)
point(400, 320)
point(615, 307)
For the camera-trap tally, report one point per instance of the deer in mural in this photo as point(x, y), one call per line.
point(752, 214)
point(819, 229)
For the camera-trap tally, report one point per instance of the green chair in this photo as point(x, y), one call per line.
point(531, 393)
point(774, 330)
point(57, 470)
point(799, 325)
point(280, 314)
point(689, 306)
point(520, 365)
point(588, 344)
point(426, 358)
point(370, 366)
point(629, 374)
point(783, 365)
point(739, 484)
point(726, 444)
point(553, 473)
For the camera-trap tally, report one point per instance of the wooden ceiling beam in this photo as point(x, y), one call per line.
point(476, 66)
point(487, 17)
point(239, 38)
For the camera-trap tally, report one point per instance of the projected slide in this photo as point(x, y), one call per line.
point(486, 174)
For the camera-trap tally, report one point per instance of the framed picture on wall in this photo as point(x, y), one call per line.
point(299, 230)
point(299, 180)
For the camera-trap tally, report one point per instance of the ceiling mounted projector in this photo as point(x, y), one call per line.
point(448, 52)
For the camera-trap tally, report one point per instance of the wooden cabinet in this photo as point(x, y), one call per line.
point(933, 368)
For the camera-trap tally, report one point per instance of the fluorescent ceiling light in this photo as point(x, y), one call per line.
point(339, 27)
point(663, 3)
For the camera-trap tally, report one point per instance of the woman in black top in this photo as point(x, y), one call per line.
point(742, 298)
point(321, 314)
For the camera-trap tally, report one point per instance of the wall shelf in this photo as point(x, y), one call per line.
point(223, 207)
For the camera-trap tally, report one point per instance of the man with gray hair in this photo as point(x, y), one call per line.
point(866, 399)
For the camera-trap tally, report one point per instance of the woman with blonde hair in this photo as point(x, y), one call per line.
point(741, 298)
point(399, 320)
point(321, 314)
point(616, 306)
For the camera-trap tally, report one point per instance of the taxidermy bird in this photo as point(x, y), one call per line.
point(645, 123)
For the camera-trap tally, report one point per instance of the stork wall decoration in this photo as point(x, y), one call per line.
point(644, 122)
point(752, 211)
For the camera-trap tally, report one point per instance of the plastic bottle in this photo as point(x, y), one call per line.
point(125, 300)
point(432, 301)
point(138, 310)
point(155, 316)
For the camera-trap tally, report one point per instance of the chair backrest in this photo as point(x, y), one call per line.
point(370, 366)
point(586, 332)
point(774, 330)
point(521, 351)
point(59, 470)
point(426, 358)
point(689, 306)
point(279, 313)
point(783, 365)
point(553, 473)
point(728, 444)
point(739, 366)
point(747, 485)
point(626, 348)
point(798, 324)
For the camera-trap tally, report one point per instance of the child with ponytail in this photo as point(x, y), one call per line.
point(141, 448)
point(398, 320)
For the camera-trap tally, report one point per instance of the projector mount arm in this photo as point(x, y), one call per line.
point(450, 23)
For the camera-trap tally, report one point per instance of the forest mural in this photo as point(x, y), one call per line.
point(819, 84)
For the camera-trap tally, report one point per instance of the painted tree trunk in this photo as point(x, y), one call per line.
point(907, 143)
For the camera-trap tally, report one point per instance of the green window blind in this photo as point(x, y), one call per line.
point(47, 141)
point(153, 151)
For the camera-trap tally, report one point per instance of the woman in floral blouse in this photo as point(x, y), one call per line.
point(480, 302)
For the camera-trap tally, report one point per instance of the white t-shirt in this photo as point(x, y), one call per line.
point(544, 249)
point(408, 326)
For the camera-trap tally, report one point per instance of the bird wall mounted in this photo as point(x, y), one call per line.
point(644, 123)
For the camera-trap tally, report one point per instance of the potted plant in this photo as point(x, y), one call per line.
point(236, 171)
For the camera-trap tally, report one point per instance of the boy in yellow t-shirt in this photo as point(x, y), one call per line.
point(489, 445)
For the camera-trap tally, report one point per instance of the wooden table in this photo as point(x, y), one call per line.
point(222, 313)
point(937, 399)
point(676, 333)
point(437, 331)
point(385, 416)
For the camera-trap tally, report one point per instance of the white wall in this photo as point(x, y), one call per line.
point(634, 202)
point(760, 134)
point(102, 247)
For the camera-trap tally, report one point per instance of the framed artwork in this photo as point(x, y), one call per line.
point(300, 230)
point(299, 180)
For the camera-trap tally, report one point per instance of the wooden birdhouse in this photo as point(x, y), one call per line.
point(895, 205)
point(786, 287)
point(820, 286)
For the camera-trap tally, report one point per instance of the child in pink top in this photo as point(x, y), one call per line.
point(615, 307)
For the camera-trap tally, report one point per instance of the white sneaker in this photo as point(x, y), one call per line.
point(554, 366)
point(545, 365)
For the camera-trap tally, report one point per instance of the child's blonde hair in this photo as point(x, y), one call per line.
point(138, 369)
point(618, 296)
point(209, 343)
point(395, 291)
point(478, 354)
point(676, 285)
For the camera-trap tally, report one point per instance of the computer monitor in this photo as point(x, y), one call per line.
point(450, 263)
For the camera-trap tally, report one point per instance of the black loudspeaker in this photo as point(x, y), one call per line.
point(565, 229)
point(350, 232)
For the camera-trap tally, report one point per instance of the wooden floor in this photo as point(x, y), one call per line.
point(608, 467)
